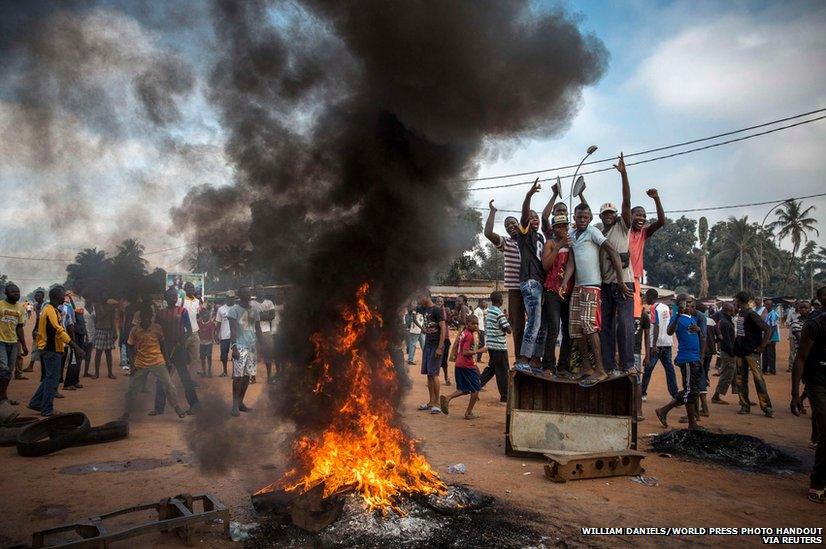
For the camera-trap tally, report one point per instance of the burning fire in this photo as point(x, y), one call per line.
point(361, 450)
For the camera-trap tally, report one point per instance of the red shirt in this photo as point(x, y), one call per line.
point(636, 246)
point(206, 330)
point(466, 343)
point(553, 280)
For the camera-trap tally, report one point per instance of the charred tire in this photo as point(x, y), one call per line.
point(52, 434)
point(114, 430)
point(10, 429)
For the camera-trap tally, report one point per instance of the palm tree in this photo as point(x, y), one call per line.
point(89, 272)
point(792, 222)
point(736, 249)
point(703, 257)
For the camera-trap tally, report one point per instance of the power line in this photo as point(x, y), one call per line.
point(63, 260)
point(706, 209)
point(658, 149)
point(727, 142)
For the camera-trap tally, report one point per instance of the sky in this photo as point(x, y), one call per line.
point(677, 71)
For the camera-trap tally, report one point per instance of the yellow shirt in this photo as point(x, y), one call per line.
point(50, 333)
point(11, 316)
point(147, 345)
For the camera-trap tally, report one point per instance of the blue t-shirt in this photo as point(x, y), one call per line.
point(246, 318)
point(773, 320)
point(688, 342)
point(586, 254)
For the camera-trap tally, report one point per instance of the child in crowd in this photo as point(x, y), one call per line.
point(497, 326)
point(468, 380)
point(206, 333)
point(690, 341)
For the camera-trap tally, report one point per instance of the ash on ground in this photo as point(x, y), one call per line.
point(733, 450)
point(458, 518)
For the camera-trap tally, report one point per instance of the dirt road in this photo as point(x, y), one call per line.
point(38, 493)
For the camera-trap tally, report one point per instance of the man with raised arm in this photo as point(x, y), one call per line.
point(510, 248)
point(640, 233)
point(617, 299)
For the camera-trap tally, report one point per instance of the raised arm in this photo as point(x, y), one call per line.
point(549, 208)
point(526, 204)
point(495, 239)
point(625, 208)
point(656, 225)
point(617, 264)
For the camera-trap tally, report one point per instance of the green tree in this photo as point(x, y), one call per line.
point(793, 222)
point(128, 272)
point(90, 273)
point(734, 251)
point(671, 254)
point(490, 261)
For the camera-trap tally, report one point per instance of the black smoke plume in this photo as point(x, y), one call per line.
point(349, 124)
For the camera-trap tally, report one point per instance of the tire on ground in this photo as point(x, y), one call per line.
point(52, 434)
point(10, 429)
point(114, 430)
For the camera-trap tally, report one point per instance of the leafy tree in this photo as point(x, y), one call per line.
point(671, 254)
point(734, 253)
point(490, 262)
point(90, 273)
point(793, 223)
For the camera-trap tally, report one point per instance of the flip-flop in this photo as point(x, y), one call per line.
point(590, 381)
point(443, 404)
point(435, 410)
point(423, 407)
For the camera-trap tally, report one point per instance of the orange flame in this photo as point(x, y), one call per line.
point(362, 450)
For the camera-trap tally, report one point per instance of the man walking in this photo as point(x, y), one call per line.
point(192, 304)
point(176, 326)
point(751, 337)
point(265, 309)
point(661, 344)
point(413, 323)
point(496, 327)
point(12, 338)
point(39, 296)
point(224, 334)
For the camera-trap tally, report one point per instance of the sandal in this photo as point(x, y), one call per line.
point(816, 496)
point(435, 410)
point(423, 407)
point(471, 416)
point(661, 417)
point(591, 380)
point(443, 404)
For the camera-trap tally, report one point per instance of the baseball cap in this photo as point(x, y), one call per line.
point(608, 207)
point(560, 219)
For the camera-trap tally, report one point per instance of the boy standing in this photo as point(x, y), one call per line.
point(435, 329)
point(496, 327)
point(769, 358)
point(206, 334)
point(149, 356)
point(510, 250)
point(531, 279)
point(468, 380)
point(689, 351)
point(243, 324)
point(555, 308)
point(223, 329)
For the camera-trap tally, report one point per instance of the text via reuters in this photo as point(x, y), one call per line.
point(769, 536)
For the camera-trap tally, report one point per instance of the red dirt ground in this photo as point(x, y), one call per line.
point(36, 495)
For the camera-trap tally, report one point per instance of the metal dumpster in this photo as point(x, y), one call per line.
point(583, 432)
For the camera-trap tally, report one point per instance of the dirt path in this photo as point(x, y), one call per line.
point(38, 493)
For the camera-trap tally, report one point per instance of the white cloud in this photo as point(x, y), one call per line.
point(739, 66)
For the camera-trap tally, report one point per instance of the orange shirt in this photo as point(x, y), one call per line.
point(147, 345)
point(636, 246)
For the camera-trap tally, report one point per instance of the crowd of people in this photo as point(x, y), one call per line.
point(175, 338)
point(578, 285)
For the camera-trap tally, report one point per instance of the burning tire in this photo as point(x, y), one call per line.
point(114, 430)
point(52, 434)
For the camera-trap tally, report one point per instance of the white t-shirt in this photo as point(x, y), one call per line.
point(193, 307)
point(266, 305)
point(662, 317)
point(479, 313)
point(221, 319)
point(277, 318)
point(414, 329)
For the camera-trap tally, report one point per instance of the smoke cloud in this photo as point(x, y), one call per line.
point(349, 124)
